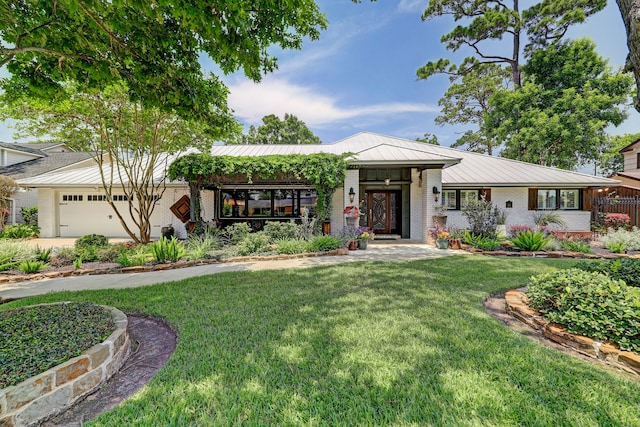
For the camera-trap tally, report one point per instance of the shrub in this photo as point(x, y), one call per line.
point(96, 240)
point(30, 215)
point(235, 233)
point(109, 253)
point(167, 249)
point(20, 231)
point(484, 243)
point(576, 246)
point(630, 238)
point(589, 303)
point(616, 247)
point(291, 246)
point(199, 247)
point(307, 227)
point(277, 230)
point(13, 253)
point(32, 266)
point(43, 255)
point(530, 241)
point(515, 229)
point(254, 243)
point(483, 217)
point(85, 253)
point(63, 256)
point(323, 243)
point(617, 220)
point(546, 218)
point(627, 269)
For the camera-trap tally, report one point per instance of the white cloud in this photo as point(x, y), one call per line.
point(412, 6)
point(252, 101)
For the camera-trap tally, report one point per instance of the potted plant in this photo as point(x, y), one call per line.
point(455, 240)
point(363, 239)
point(442, 239)
point(352, 215)
point(349, 237)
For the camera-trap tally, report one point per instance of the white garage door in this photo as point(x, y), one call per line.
point(82, 213)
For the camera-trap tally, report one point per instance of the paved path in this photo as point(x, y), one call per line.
point(381, 251)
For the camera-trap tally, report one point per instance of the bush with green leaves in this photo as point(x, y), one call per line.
point(627, 269)
point(278, 230)
point(201, 246)
point(20, 231)
point(483, 217)
point(543, 219)
point(324, 243)
point(575, 246)
point(165, 249)
point(29, 215)
point(254, 243)
point(589, 303)
point(14, 252)
point(43, 255)
point(291, 246)
point(484, 243)
point(135, 255)
point(629, 238)
point(530, 240)
point(95, 240)
point(32, 266)
point(235, 233)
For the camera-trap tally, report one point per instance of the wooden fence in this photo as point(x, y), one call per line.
point(617, 200)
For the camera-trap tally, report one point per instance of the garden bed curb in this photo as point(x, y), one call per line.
point(49, 393)
point(548, 254)
point(517, 306)
point(167, 266)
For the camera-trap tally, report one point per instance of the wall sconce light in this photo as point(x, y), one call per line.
point(509, 204)
point(352, 195)
point(387, 180)
point(436, 193)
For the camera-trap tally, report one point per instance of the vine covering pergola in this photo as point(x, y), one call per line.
point(324, 171)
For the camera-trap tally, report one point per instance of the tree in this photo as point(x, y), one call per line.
point(428, 138)
point(154, 46)
point(291, 130)
point(467, 102)
point(611, 161)
point(132, 144)
point(558, 117)
point(7, 188)
point(488, 21)
point(630, 10)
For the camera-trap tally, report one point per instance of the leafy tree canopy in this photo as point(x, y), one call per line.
point(611, 161)
point(155, 46)
point(429, 138)
point(485, 22)
point(558, 117)
point(291, 130)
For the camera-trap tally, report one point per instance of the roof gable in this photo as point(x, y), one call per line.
point(630, 147)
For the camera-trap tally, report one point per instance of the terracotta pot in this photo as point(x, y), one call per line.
point(353, 245)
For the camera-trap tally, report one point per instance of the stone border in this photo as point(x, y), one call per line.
point(517, 306)
point(166, 266)
point(49, 393)
point(548, 254)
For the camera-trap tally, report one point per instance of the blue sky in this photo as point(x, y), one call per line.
point(361, 74)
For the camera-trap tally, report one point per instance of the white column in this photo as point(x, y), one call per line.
point(351, 181)
point(434, 179)
point(48, 212)
point(415, 219)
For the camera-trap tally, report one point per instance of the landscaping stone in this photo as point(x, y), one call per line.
point(71, 370)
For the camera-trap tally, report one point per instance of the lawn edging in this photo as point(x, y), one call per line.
point(49, 393)
point(7, 278)
point(517, 305)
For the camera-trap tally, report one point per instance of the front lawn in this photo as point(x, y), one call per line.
point(406, 343)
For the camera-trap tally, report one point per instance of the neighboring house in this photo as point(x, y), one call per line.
point(19, 161)
point(398, 183)
point(630, 176)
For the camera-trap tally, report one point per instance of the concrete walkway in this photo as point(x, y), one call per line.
point(377, 251)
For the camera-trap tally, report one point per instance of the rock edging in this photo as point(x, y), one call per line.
point(517, 306)
point(165, 266)
point(49, 393)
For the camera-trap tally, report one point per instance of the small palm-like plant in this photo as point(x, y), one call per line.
point(530, 240)
point(167, 250)
point(32, 266)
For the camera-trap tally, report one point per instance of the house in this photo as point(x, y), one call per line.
point(630, 175)
point(18, 161)
point(397, 183)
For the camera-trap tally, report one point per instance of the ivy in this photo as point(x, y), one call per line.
point(324, 171)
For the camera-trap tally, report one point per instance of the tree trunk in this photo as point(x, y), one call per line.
point(630, 10)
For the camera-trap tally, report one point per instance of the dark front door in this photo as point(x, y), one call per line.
point(382, 215)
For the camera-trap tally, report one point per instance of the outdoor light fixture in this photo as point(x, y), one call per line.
point(352, 194)
point(509, 204)
point(387, 180)
point(436, 192)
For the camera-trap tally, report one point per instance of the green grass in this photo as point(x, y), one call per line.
point(401, 344)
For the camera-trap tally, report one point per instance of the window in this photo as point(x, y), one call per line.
point(638, 161)
point(96, 198)
point(554, 198)
point(120, 198)
point(456, 199)
point(266, 203)
point(72, 197)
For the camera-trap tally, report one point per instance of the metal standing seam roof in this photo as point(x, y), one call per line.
point(460, 168)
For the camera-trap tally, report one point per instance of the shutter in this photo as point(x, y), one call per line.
point(533, 199)
point(486, 192)
point(587, 199)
